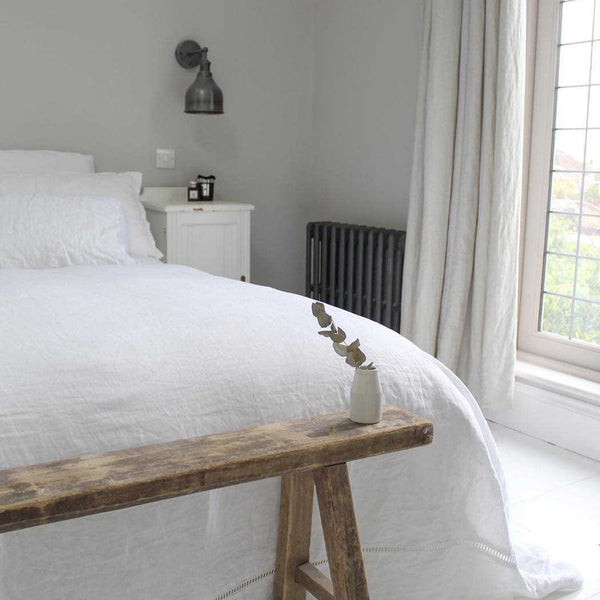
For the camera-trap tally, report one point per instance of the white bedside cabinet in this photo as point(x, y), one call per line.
point(210, 236)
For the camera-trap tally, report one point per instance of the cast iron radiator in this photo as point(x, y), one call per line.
point(356, 268)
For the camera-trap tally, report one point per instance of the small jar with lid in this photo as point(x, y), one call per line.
point(193, 191)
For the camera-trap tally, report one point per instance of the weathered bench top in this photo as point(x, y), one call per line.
point(91, 484)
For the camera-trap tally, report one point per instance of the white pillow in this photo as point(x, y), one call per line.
point(45, 161)
point(120, 186)
point(39, 231)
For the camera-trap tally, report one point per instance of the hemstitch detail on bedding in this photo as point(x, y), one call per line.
point(499, 555)
point(244, 584)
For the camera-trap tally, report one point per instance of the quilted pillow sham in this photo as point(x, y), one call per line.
point(40, 231)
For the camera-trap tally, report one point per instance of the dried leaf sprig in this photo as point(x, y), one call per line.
point(354, 356)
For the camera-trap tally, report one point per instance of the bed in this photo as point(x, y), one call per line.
point(105, 357)
point(108, 356)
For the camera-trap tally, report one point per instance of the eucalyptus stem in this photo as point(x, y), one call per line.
point(354, 356)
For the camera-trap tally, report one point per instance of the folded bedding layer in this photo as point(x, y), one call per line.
point(100, 358)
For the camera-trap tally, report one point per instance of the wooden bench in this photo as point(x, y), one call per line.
point(309, 454)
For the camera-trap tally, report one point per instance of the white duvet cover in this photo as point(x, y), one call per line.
point(106, 357)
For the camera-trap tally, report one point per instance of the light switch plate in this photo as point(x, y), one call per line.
point(165, 158)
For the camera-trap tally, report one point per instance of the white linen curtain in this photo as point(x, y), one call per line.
point(460, 284)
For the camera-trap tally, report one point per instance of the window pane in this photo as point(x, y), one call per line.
point(591, 194)
point(562, 234)
point(597, 22)
point(592, 153)
point(566, 192)
point(589, 243)
point(586, 322)
point(576, 21)
point(568, 150)
point(560, 274)
point(588, 279)
point(594, 118)
point(596, 64)
point(574, 66)
point(556, 315)
point(571, 107)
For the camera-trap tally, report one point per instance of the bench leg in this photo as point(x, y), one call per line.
point(293, 542)
point(295, 574)
point(341, 533)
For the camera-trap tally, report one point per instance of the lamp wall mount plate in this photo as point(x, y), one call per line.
point(188, 54)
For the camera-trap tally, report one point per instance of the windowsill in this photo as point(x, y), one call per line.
point(546, 376)
point(554, 406)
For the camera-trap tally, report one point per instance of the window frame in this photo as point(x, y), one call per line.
point(574, 356)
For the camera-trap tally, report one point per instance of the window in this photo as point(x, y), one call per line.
point(560, 299)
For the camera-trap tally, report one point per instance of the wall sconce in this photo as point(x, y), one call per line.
point(204, 95)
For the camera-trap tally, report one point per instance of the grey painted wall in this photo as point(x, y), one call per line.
point(366, 76)
point(101, 78)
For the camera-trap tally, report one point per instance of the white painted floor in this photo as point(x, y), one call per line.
point(555, 494)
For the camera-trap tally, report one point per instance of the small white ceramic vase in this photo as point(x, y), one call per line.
point(366, 396)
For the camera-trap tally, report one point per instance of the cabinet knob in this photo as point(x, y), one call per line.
point(243, 278)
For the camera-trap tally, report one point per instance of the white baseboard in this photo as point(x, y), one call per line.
point(556, 418)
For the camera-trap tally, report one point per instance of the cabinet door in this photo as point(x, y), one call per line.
point(215, 242)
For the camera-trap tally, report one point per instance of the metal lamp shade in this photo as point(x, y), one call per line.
point(204, 96)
